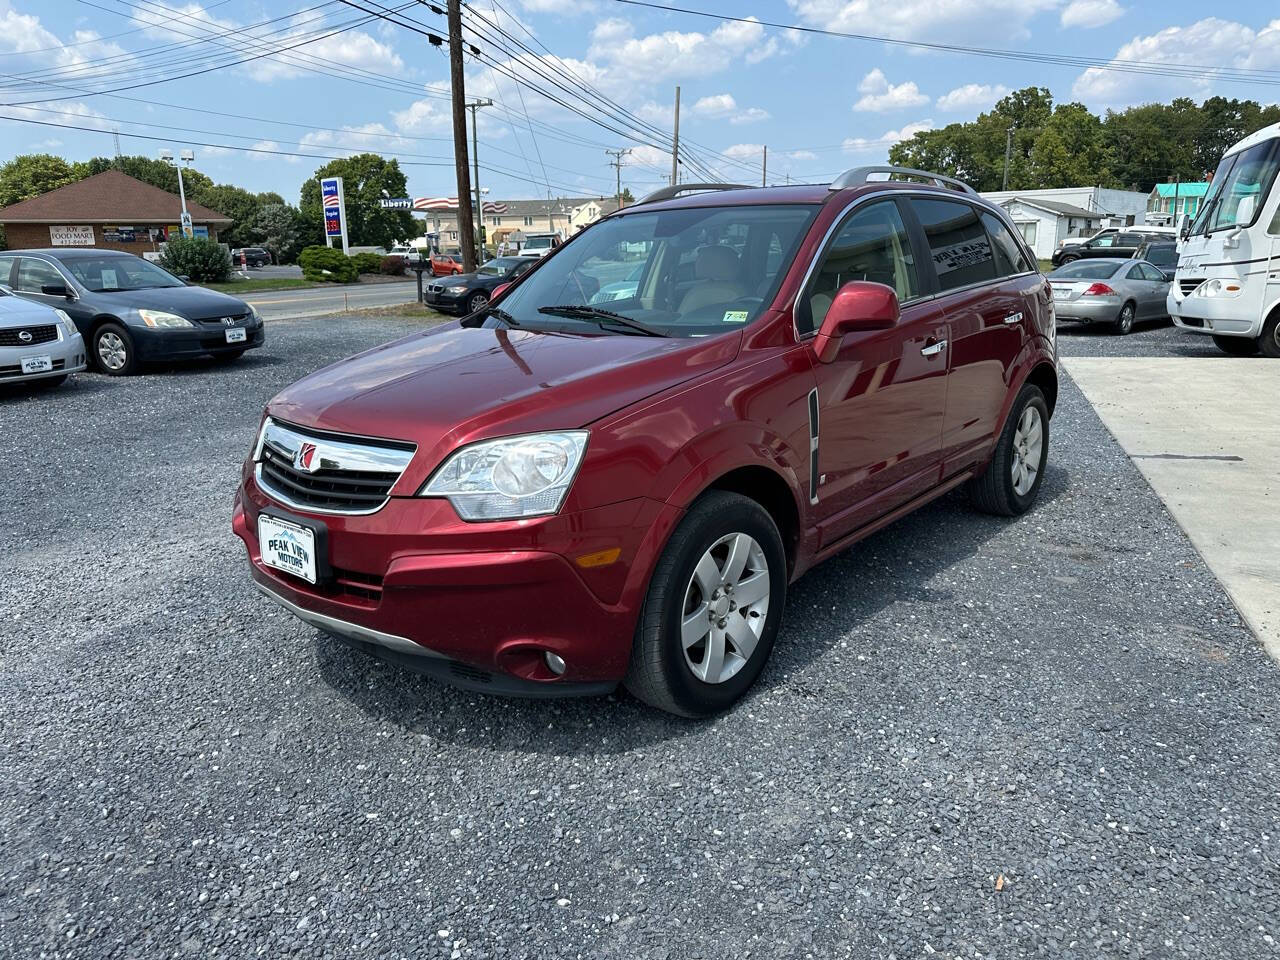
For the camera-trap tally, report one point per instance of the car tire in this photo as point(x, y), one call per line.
point(709, 672)
point(1124, 320)
point(475, 303)
point(1236, 346)
point(1269, 342)
point(1068, 258)
point(113, 351)
point(1004, 488)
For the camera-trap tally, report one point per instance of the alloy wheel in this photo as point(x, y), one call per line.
point(1028, 445)
point(1125, 321)
point(477, 303)
point(112, 351)
point(725, 606)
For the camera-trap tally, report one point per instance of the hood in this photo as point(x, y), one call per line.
point(194, 303)
point(16, 312)
point(453, 385)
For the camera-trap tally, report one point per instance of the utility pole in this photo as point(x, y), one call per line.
point(466, 235)
point(475, 156)
point(764, 167)
point(1008, 149)
point(675, 145)
point(616, 163)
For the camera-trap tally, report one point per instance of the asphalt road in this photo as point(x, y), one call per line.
point(315, 301)
point(1047, 737)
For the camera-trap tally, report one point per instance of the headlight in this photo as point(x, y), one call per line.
point(1219, 288)
point(455, 288)
point(158, 318)
point(68, 325)
point(514, 477)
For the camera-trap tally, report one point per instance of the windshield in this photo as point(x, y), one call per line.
point(1239, 188)
point(538, 243)
point(1087, 270)
point(696, 271)
point(107, 274)
point(498, 267)
point(1162, 256)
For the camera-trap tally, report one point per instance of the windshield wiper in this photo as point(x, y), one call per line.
point(584, 311)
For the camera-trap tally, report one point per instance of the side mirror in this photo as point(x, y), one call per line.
point(858, 306)
point(55, 290)
point(184, 278)
point(499, 290)
point(1245, 209)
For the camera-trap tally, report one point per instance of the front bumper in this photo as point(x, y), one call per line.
point(66, 353)
point(203, 340)
point(477, 605)
point(1222, 316)
point(1088, 310)
point(444, 301)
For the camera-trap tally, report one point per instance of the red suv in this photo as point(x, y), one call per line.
point(552, 497)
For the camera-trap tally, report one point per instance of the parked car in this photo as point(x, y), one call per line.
point(1114, 291)
point(252, 256)
point(539, 244)
point(550, 497)
point(37, 342)
point(1111, 242)
point(410, 254)
point(468, 292)
point(622, 289)
point(1162, 254)
point(445, 264)
point(129, 310)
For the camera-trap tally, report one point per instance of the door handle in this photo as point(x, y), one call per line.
point(1013, 318)
point(933, 349)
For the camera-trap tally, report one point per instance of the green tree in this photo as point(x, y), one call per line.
point(627, 197)
point(158, 173)
point(364, 178)
point(1068, 151)
point(30, 175)
point(280, 228)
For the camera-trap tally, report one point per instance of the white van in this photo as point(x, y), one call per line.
point(1228, 280)
point(539, 244)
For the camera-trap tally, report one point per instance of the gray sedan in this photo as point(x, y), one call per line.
point(37, 342)
point(1114, 291)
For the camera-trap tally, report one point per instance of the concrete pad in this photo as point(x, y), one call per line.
point(1205, 432)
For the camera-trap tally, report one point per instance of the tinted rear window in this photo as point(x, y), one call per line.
point(958, 244)
point(1086, 270)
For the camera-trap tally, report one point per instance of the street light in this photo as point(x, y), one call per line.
point(185, 156)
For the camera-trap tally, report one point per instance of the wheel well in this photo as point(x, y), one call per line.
point(1046, 378)
point(99, 320)
point(770, 491)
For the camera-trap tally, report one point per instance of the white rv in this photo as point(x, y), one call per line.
point(1228, 280)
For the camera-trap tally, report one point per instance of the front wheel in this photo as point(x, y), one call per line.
point(713, 609)
point(1269, 342)
point(1012, 479)
point(1124, 322)
point(477, 302)
point(113, 350)
point(1236, 346)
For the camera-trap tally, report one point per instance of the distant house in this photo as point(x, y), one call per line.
point(1118, 208)
point(1044, 224)
point(110, 210)
point(563, 215)
point(1177, 200)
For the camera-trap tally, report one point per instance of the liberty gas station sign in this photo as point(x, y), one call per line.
point(335, 211)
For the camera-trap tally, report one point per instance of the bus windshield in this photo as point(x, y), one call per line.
point(1240, 188)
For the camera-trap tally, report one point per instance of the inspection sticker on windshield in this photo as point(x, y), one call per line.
point(735, 316)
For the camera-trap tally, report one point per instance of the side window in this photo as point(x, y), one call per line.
point(1128, 240)
point(958, 244)
point(1009, 256)
point(1136, 273)
point(33, 274)
point(1106, 240)
point(6, 270)
point(872, 244)
point(1151, 273)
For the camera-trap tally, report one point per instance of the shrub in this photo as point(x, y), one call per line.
point(326, 263)
point(367, 262)
point(204, 261)
point(392, 266)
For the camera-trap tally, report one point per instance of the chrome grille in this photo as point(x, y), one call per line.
point(327, 473)
point(12, 337)
point(1188, 286)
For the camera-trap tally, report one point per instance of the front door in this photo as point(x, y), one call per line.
point(881, 401)
point(33, 274)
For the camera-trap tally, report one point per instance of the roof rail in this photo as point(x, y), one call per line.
point(668, 193)
point(860, 175)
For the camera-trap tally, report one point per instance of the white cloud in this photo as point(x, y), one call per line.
point(675, 54)
point(558, 7)
point(374, 137)
point(424, 116)
point(885, 140)
point(750, 115)
point(271, 145)
point(1209, 42)
point(878, 94)
point(953, 21)
point(972, 96)
point(24, 33)
point(802, 155)
point(1091, 13)
point(744, 151)
point(723, 106)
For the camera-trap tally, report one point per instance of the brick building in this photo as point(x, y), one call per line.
point(110, 210)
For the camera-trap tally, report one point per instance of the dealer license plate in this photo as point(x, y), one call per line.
point(1061, 293)
point(236, 335)
point(287, 546)
point(37, 364)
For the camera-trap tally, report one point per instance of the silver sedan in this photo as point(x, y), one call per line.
point(37, 342)
point(1114, 291)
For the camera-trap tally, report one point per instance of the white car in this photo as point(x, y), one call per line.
point(410, 254)
point(37, 342)
point(539, 244)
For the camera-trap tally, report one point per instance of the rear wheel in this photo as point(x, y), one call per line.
point(113, 350)
point(1269, 342)
point(1124, 322)
point(1011, 482)
point(1236, 346)
point(713, 608)
point(1068, 258)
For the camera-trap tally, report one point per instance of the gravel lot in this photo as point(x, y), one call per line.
point(1158, 338)
point(977, 738)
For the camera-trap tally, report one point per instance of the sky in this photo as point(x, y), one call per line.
point(213, 77)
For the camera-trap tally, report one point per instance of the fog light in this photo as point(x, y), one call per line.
point(555, 663)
